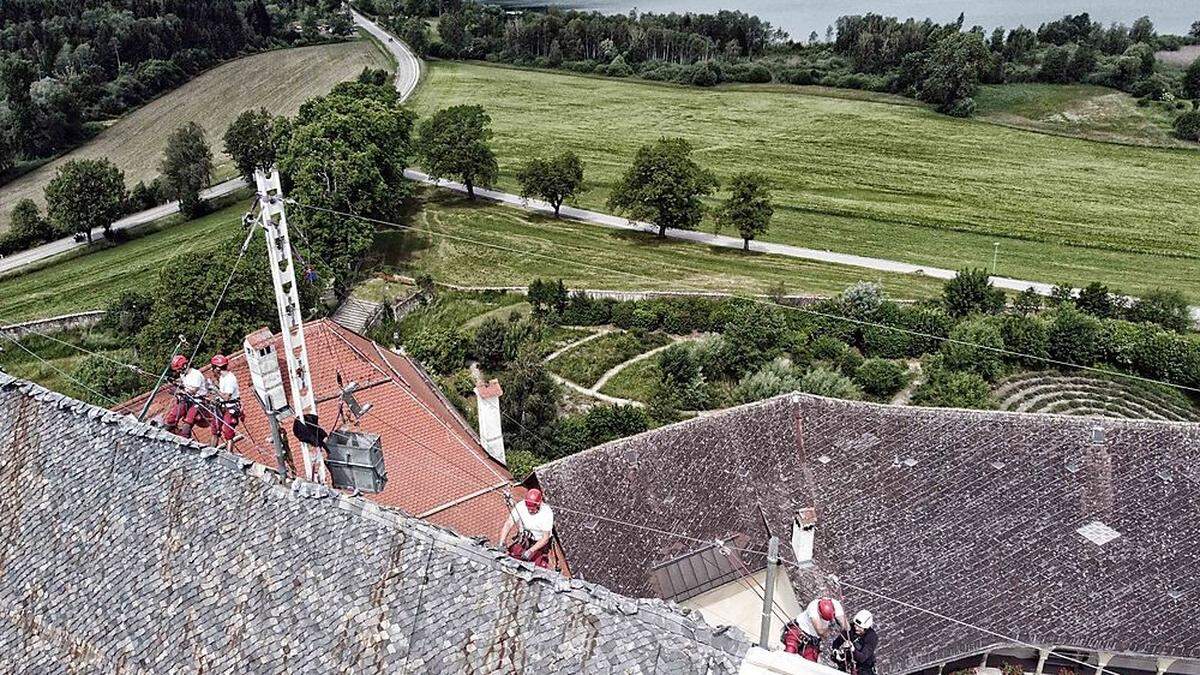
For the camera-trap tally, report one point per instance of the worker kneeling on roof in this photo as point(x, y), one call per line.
point(229, 404)
point(535, 524)
point(824, 617)
point(190, 390)
point(855, 653)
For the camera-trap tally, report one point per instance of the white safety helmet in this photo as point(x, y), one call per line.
point(864, 620)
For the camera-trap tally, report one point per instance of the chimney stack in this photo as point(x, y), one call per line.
point(804, 530)
point(259, 348)
point(487, 398)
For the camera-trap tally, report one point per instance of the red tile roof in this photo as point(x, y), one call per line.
point(436, 468)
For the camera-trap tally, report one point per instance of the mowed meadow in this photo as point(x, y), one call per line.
point(871, 178)
point(279, 81)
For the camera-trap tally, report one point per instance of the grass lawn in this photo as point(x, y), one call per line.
point(1088, 111)
point(58, 358)
point(634, 382)
point(453, 309)
point(585, 364)
point(870, 178)
point(91, 281)
point(586, 256)
point(279, 81)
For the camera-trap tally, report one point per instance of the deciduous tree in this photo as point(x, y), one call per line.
point(454, 143)
point(187, 166)
point(552, 180)
point(664, 185)
point(748, 208)
point(251, 141)
point(86, 194)
point(969, 292)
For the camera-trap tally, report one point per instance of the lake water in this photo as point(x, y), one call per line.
point(800, 17)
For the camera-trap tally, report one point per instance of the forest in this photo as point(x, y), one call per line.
point(68, 64)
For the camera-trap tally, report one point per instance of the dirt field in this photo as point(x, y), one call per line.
point(279, 80)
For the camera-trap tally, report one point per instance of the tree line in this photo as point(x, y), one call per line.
point(65, 64)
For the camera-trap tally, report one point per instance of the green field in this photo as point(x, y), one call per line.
point(635, 382)
point(279, 81)
point(892, 181)
point(90, 281)
point(52, 364)
point(1083, 110)
point(478, 244)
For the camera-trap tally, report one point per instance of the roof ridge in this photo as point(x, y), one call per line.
point(663, 614)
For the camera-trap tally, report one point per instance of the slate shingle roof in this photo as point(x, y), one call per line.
point(123, 549)
point(971, 514)
point(435, 463)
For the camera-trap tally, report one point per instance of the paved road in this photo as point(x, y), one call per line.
point(408, 74)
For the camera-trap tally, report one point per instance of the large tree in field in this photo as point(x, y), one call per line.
point(951, 73)
point(664, 185)
point(552, 180)
point(187, 166)
point(251, 141)
point(86, 194)
point(454, 143)
point(346, 154)
point(748, 208)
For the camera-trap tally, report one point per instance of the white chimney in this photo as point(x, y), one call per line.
point(259, 348)
point(804, 530)
point(487, 398)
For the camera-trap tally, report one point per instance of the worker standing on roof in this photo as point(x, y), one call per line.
point(824, 617)
point(535, 525)
point(190, 390)
point(856, 653)
point(229, 401)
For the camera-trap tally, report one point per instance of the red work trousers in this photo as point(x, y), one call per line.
point(541, 558)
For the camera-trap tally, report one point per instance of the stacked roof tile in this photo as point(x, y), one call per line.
point(436, 467)
point(124, 549)
point(973, 515)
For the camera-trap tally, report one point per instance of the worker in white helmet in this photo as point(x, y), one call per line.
point(858, 648)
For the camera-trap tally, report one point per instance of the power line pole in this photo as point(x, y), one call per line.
point(764, 634)
point(273, 219)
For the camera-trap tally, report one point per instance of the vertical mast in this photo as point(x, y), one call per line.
point(287, 301)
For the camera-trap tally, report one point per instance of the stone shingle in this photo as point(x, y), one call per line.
point(123, 549)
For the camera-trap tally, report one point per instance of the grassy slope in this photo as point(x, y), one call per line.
point(586, 363)
point(635, 382)
point(90, 281)
point(871, 178)
point(1087, 111)
point(279, 80)
point(584, 256)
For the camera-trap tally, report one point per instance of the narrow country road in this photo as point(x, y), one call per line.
point(408, 74)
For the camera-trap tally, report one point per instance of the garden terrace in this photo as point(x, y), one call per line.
point(1113, 396)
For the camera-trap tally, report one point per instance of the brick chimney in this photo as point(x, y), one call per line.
point(804, 530)
point(487, 399)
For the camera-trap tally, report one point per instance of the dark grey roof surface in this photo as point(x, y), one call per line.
point(123, 549)
point(969, 514)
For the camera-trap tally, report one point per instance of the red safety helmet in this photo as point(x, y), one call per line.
point(826, 609)
point(533, 499)
point(220, 361)
point(178, 362)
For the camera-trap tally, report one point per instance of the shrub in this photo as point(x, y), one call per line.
point(752, 336)
point(1187, 126)
point(108, 379)
point(970, 349)
point(748, 72)
point(126, 315)
point(582, 310)
point(887, 343)
point(1027, 335)
point(489, 343)
point(706, 74)
point(825, 382)
point(441, 350)
point(928, 321)
point(1074, 337)
point(881, 378)
point(861, 300)
point(521, 463)
point(971, 291)
point(953, 389)
point(1168, 309)
point(775, 378)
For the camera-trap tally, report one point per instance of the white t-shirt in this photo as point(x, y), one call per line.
point(810, 620)
point(227, 386)
point(537, 524)
point(194, 382)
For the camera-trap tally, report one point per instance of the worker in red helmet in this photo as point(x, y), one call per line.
point(190, 390)
point(822, 618)
point(534, 522)
point(228, 401)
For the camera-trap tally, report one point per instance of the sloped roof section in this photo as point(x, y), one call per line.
point(972, 515)
point(436, 467)
point(124, 549)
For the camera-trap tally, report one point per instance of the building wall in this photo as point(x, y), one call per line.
point(738, 604)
